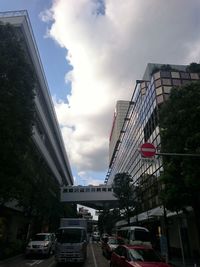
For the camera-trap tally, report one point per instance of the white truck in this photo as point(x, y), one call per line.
point(71, 243)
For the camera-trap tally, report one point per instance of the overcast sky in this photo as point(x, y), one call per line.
point(109, 44)
point(93, 51)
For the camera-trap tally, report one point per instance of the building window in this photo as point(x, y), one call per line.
point(167, 89)
point(175, 74)
point(165, 74)
point(194, 76)
point(157, 75)
point(160, 99)
point(158, 83)
point(150, 125)
point(176, 82)
point(166, 81)
point(159, 91)
point(98, 189)
point(185, 75)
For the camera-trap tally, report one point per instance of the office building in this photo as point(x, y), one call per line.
point(141, 126)
point(118, 121)
point(47, 138)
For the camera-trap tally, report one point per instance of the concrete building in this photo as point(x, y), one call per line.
point(141, 126)
point(47, 136)
point(46, 132)
point(118, 121)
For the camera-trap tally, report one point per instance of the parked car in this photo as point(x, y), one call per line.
point(104, 236)
point(136, 256)
point(41, 244)
point(109, 244)
point(96, 236)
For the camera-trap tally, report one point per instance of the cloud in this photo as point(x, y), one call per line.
point(108, 46)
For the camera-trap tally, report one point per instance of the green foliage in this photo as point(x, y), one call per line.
point(24, 176)
point(124, 192)
point(180, 133)
point(107, 220)
point(166, 67)
point(17, 81)
point(194, 67)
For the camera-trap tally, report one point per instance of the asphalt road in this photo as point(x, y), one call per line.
point(94, 259)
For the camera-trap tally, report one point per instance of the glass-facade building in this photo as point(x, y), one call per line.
point(140, 126)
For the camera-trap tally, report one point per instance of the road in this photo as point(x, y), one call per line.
point(94, 259)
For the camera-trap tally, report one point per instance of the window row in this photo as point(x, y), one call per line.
point(87, 189)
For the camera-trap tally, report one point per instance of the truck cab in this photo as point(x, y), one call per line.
point(71, 244)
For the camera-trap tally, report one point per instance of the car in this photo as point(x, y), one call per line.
point(136, 256)
point(41, 244)
point(109, 244)
point(96, 236)
point(104, 236)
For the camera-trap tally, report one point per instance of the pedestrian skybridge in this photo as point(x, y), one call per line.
point(96, 197)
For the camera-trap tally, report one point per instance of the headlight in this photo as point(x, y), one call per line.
point(46, 245)
point(28, 246)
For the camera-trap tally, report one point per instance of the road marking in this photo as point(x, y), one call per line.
point(34, 262)
point(38, 262)
point(95, 262)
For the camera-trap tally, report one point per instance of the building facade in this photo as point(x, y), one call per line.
point(47, 138)
point(118, 120)
point(141, 126)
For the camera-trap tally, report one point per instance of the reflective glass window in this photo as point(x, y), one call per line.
point(158, 83)
point(167, 89)
point(157, 75)
point(159, 91)
point(165, 74)
point(185, 75)
point(176, 82)
point(160, 99)
point(175, 74)
point(194, 76)
point(166, 81)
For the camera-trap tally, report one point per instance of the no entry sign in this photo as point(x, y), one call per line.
point(147, 150)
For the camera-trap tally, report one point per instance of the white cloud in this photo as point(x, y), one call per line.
point(108, 52)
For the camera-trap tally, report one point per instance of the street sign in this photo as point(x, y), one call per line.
point(147, 150)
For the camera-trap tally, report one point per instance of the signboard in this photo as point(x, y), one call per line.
point(147, 150)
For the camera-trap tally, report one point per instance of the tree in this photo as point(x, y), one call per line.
point(124, 192)
point(17, 82)
point(107, 220)
point(24, 176)
point(180, 133)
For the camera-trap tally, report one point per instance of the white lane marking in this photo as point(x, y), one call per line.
point(95, 262)
point(34, 262)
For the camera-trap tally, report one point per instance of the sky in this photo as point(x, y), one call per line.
point(93, 51)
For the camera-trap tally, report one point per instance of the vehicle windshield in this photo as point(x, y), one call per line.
point(142, 235)
point(144, 255)
point(70, 236)
point(40, 238)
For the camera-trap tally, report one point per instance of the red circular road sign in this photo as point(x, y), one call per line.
point(147, 150)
